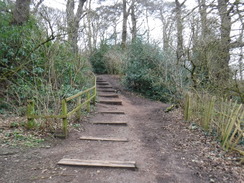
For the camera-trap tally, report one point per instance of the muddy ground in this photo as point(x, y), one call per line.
point(166, 149)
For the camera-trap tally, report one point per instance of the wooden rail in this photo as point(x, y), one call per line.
point(90, 93)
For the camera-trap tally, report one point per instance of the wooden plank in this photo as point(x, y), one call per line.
point(106, 90)
point(102, 87)
point(110, 123)
point(98, 163)
point(103, 139)
point(109, 95)
point(112, 112)
point(111, 102)
point(102, 84)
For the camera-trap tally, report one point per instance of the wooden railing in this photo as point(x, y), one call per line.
point(224, 118)
point(65, 114)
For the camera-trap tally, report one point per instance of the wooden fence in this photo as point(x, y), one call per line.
point(65, 114)
point(223, 118)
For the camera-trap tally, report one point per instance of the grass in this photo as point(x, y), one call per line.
point(19, 138)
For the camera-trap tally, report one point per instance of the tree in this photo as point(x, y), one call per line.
point(21, 12)
point(73, 20)
point(124, 26)
point(179, 26)
point(225, 29)
point(133, 21)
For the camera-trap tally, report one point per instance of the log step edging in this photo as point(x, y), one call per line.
point(109, 95)
point(111, 102)
point(104, 90)
point(98, 163)
point(104, 139)
point(109, 123)
point(102, 84)
point(112, 112)
point(102, 87)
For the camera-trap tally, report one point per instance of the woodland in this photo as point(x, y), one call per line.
point(160, 49)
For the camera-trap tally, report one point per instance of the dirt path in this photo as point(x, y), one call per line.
point(165, 149)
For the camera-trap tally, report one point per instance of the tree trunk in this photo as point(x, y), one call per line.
point(73, 21)
point(203, 14)
point(225, 28)
point(179, 26)
point(124, 26)
point(89, 26)
point(133, 20)
point(21, 12)
point(167, 26)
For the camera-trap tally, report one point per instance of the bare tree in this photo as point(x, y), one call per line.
point(225, 28)
point(126, 13)
point(21, 12)
point(179, 26)
point(133, 21)
point(73, 20)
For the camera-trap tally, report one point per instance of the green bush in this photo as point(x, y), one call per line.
point(33, 68)
point(108, 59)
point(152, 72)
point(97, 59)
point(114, 60)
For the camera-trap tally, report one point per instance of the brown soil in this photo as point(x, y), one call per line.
point(165, 148)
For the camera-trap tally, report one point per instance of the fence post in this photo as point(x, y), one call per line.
point(30, 111)
point(88, 103)
point(95, 95)
point(65, 117)
point(78, 113)
point(95, 90)
point(208, 113)
point(186, 106)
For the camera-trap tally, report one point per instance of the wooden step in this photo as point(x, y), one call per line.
point(98, 163)
point(109, 95)
point(109, 123)
point(104, 139)
point(112, 112)
point(104, 87)
point(111, 102)
point(102, 84)
point(106, 90)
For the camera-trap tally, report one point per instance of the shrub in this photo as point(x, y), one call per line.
point(114, 60)
point(33, 68)
point(97, 59)
point(153, 72)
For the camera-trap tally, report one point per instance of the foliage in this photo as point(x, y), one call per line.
point(34, 65)
point(152, 72)
point(97, 59)
point(108, 59)
point(114, 60)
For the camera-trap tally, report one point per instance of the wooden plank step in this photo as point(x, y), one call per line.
point(102, 84)
point(104, 87)
point(111, 102)
point(109, 123)
point(106, 90)
point(104, 139)
point(109, 95)
point(98, 163)
point(112, 112)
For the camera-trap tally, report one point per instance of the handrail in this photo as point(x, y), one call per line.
point(65, 113)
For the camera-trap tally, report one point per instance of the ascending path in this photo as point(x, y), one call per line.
point(127, 132)
point(117, 137)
